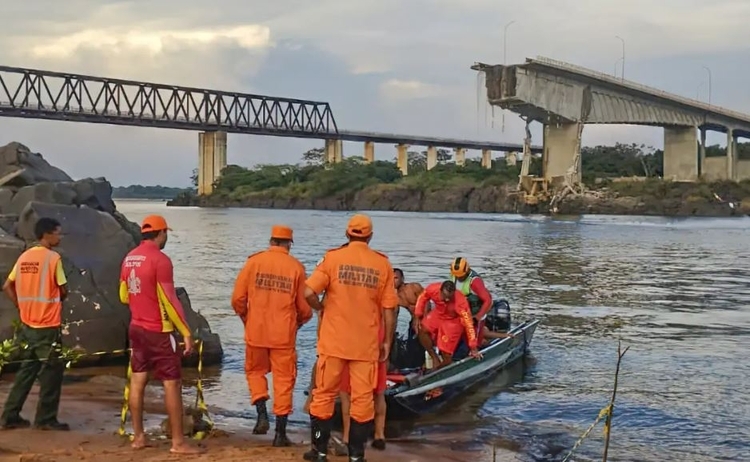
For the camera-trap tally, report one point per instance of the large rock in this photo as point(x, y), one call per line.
point(16, 156)
point(95, 240)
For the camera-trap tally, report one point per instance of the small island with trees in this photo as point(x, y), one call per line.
point(620, 179)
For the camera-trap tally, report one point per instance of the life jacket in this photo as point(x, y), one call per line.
point(465, 288)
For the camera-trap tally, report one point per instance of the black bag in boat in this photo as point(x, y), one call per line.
point(406, 351)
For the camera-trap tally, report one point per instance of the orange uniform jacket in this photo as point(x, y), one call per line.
point(269, 295)
point(358, 285)
point(456, 311)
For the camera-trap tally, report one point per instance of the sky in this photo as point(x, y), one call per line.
point(397, 66)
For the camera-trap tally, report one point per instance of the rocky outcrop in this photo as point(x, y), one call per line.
point(95, 240)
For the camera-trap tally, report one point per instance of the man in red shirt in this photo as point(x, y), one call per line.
point(445, 323)
point(470, 283)
point(147, 286)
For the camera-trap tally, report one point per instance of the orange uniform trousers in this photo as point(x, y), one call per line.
point(282, 363)
point(328, 374)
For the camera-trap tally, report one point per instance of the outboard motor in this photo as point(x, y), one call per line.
point(498, 319)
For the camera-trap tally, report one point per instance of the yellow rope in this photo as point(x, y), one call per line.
point(602, 414)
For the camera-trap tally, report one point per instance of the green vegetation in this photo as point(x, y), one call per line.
point(313, 179)
point(137, 191)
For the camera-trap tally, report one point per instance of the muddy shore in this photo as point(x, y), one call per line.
point(91, 405)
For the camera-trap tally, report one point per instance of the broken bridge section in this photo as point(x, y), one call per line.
point(564, 97)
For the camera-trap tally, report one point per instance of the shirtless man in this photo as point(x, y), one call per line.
point(408, 292)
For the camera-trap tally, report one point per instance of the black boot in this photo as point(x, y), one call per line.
point(280, 440)
point(358, 434)
point(262, 425)
point(321, 433)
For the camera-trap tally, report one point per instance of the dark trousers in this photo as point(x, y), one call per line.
point(40, 360)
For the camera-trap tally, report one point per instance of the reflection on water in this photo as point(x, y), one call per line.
point(676, 291)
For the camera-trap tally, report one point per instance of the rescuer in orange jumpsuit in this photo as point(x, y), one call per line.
point(445, 323)
point(269, 298)
point(359, 293)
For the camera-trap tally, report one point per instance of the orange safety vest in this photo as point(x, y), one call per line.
point(38, 294)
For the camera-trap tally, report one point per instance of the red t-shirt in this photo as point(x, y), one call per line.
point(147, 286)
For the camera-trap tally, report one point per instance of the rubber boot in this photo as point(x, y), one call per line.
point(262, 425)
point(280, 440)
point(321, 433)
point(358, 434)
point(312, 454)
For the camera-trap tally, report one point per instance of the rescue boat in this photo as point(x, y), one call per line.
point(412, 392)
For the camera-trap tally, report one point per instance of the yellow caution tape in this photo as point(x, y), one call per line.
point(200, 403)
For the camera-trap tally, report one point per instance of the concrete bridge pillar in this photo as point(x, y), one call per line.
point(431, 157)
point(402, 158)
point(369, 152)
point(212, 159)
point(511, 159)
point(680, 153)
point(486, 158)
point(334, 151)
point(702, 153)
point(731, 155)
point(460, 156)
point(561, 148)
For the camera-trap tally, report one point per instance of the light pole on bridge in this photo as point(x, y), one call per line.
point(505, 42)
point(505, 60)
point(709, 84)
point(623, 55)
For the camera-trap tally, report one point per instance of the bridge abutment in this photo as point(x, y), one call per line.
point(402, 158)
point(561, 151)
point(212, 159)
point(681, 153)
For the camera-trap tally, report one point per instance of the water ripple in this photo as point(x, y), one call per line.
point(676, 291)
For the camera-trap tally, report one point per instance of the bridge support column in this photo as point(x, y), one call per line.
point(369, 152)
point(702, 154)
point(486, 158)
point(431, 157)
point(460, 157)
point(561, 151)
point(511, 159)
point(680, 153)
point(731, 155)
point(212, 159)
point(334, 151)
point(402, 158)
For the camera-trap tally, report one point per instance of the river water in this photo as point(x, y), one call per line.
point(676, 291)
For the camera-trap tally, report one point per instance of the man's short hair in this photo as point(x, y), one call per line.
point(400, 273)
point(45, 226)
point(150, 235)
point(448, 287)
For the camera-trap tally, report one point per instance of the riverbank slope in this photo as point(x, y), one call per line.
point(653, 197)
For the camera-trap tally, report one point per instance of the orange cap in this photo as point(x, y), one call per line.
point(359, 226)
point(154, 223)
point(282, 232)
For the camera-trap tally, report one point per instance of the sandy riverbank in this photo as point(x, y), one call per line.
point(92, 407)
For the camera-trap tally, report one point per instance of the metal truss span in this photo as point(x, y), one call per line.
point(36, 94)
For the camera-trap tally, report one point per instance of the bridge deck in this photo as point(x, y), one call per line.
point(39, 94)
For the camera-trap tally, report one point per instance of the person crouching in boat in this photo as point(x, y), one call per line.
point(471, 285)
point(445, 324)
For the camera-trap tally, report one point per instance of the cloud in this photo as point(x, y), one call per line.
point(383, 65)
point(409, 89)
point(151, 42)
